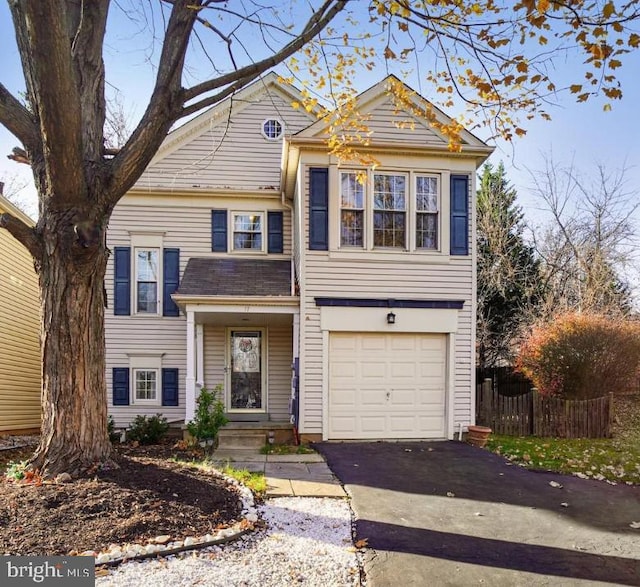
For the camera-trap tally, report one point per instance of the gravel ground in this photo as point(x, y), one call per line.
point(307, 542)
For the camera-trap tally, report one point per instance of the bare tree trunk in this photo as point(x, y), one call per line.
point(71, 271)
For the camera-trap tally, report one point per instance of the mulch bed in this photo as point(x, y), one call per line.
point(148, 496)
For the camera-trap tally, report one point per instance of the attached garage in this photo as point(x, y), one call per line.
point(387, 385)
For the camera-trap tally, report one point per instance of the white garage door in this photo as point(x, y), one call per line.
point(384, 386)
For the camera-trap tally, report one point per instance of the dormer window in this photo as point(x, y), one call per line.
point(272, 129)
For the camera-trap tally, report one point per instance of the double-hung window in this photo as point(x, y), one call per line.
point(248, 231)
point(427, 210)
point(389, 210)
point(145, 383)
point(147, 278)
point(351, 210)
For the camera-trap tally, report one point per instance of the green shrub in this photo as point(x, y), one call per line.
point(148, 430)
point(111, 429)
point(16, 470)
point(209, 416)
point(581, 356)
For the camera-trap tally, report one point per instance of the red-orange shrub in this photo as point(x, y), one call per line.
point(581, 356)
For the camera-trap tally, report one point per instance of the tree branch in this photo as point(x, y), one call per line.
point(17, 119)
point(22, 233)
point(55, 94)
point(241, 77)
point(164, 108)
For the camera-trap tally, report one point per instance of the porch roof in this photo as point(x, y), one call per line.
point(235, 277)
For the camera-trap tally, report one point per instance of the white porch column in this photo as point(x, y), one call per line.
point(200, 355)
point(190, 403)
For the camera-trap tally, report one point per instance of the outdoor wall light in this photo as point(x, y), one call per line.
point(391, 318)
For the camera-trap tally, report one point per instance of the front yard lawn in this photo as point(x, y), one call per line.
point(611, 459)
point(614, 459)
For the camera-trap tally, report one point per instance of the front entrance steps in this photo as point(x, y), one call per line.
point(247, 438)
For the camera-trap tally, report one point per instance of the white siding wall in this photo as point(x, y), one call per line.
point(376, 275)
point(20, 364)
point(230, 152)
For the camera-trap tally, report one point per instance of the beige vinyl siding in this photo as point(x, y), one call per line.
point(279, 358)
point(231, 153)
point(186, 221)
point(20, 363)
point(384, 123)
point(183, 222)
point(372, 275)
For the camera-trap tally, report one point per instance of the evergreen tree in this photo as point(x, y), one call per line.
point(507, 270)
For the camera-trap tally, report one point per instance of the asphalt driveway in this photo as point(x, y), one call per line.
point(445, 513)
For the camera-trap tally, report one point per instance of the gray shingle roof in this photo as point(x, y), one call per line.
point(236, 277)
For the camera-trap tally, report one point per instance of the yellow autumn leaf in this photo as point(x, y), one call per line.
point(543, 5)
point(575, 88)
point(608, 10)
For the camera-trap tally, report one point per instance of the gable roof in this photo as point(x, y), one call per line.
point(217, 113)
point(368, 101)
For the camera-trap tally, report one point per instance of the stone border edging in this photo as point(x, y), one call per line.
point(114, 557)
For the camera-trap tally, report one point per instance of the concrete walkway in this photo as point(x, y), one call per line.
point(299, 475)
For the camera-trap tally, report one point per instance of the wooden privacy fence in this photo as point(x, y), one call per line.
point(531, 414)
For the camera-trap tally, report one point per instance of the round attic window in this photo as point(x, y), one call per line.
point(272, 129)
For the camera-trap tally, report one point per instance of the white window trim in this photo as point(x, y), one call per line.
point(440, 254)
point(231, 231)
point(365, 223)
point(140, 362)
point(265, 135)
point(415, 212)
point(370, 210)
point(146, 241)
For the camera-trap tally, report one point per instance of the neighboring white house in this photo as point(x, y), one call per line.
point(335, 295)
point(20, 364)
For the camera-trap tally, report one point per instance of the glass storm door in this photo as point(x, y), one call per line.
point(246, 372)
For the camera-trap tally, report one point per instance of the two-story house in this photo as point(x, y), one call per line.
point(335, 295)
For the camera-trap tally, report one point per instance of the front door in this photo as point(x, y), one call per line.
point(246, 371)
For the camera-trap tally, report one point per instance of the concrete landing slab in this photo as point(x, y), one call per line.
point(317, 489)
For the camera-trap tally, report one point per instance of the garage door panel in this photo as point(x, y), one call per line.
point(395, 386)
point(372, 425)
point(373, 343)
point(346, 397)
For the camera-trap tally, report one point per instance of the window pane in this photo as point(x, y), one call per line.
point(427, 231)
point(145, 385)
point(389, 192)
point(352, 191)
point(389, 229)
point(147, 265)
point(247, 231)
point(147, 270)
point(427, 194)
point(351, 228)
point(247, 240)
point(147, 297)
point(247, 222)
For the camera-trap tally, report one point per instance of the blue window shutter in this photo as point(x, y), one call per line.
point(170, 387)
point(459, 215)
point(171, 277)
point(122, 281)
point(120, 386)
point(275, 228)
point(219, 231)
point(319, 209)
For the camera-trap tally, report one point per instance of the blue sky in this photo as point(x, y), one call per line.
point(580, 132)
